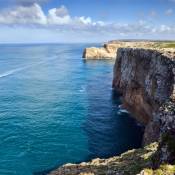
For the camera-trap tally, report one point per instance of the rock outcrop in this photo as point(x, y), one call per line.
point(98, 53)
point(133, 162)
point(109, 50)
point(146, 79)
point(129, 163)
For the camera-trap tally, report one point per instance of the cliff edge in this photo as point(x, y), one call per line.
point(146, 79)
point(109, 50)
point(133, 162)
point(129, 163)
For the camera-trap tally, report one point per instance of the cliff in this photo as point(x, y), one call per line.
point(146, 79)
point(109, 50)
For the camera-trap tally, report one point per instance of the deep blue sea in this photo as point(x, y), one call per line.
point(55, 108)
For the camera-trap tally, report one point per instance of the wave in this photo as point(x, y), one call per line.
point(10, 72)
point(13, 71)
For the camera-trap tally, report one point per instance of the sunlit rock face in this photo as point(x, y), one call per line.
point(109, 50)
point(145, 78)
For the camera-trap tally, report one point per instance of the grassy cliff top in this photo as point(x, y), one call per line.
point(165, 44)
point(157, 43)
point(133, 162)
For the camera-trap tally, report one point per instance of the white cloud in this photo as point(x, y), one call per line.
point(85, 20)
point(33, 14)
point(23, 15)
point(62, 11)
point(169, 12)
point(58, 20)
point(166, 29)
point(58, 16)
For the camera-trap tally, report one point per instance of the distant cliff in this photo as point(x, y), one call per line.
point(109, 50)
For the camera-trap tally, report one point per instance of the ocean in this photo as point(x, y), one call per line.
point(56, 108)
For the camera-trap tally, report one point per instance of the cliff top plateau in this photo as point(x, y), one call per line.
point(109, 49)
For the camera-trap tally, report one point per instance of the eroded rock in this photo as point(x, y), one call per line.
point(146, 79)
point(131, 163)
point(109, 50)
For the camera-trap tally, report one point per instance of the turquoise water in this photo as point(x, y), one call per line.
point(55, 108)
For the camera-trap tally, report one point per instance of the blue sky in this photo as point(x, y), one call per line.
point(36, 21)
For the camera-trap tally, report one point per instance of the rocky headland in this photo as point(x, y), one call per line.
point(146, 80)
point(109, 49)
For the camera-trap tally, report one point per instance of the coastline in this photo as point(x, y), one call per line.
point(124, 54)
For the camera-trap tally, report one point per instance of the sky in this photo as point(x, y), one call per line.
point(69, 21)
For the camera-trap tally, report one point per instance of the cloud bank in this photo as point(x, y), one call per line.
point(34, 15)
point(29, 14)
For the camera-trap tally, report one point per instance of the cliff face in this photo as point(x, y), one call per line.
point(109, 50)
point(146, 79)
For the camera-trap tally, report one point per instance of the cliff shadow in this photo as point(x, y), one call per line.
point(110, 129)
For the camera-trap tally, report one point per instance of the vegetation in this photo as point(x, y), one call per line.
point(168, 139)
point(165, 44)
point(133, 162)
point(162, 170)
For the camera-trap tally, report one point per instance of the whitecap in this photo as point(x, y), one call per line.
point(123, 111)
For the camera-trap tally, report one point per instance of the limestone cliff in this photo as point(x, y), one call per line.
point(146, 79)
point(109, 50)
